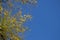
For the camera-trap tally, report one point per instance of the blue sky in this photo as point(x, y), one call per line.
point(45, 24)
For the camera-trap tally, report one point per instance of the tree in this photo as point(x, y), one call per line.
point(11, 26)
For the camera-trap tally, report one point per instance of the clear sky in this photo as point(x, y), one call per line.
point(45, 24)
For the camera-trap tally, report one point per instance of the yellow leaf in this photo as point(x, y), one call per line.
point(1, 8)
point(6, 13)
